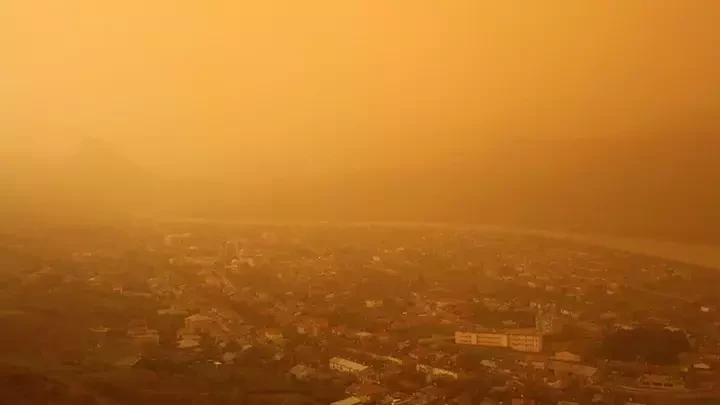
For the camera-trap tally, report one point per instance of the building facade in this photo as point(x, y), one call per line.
point(346, 366)
point(547, 323)
point(658, 381)
point(482, 339)
point(437, 372)
point(465, 338)
point(524, 341)
point(568, 356)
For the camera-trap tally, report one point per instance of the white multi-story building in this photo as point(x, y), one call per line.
point(524, 341)
point(465, 338)
point(346, 366)
point(491, 339)
point(482, 339)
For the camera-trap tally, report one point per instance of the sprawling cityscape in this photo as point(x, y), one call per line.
point(201, 313)
point(393, 202)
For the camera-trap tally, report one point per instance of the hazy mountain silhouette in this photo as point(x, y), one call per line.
point(95, 183)
point(98, 154)
point(102, 181)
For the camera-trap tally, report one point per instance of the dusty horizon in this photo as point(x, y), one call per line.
point(195, 87)
point(598, 117)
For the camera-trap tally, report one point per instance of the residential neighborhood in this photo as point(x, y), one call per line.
point(361, 314)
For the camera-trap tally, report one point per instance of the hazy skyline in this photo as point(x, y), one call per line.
point(189, 87)
point(583, 115)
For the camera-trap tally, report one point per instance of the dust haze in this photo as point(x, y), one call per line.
point(369, 202)
point(582, 117)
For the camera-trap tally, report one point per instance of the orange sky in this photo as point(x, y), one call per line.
point(189, 86)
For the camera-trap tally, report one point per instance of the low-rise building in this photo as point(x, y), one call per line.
point(437, 372)
point(273, 335)
point(582, 371)
point(151, 337)
point(188, 343)
point(346, 366)
point(374, 303)
point(567, 356)
point(348, 401)
point(522, 401)
point(198, 323)
point(367, 391)
point(659, 381)
point(429, 394)
point(129, 361)
point(488, 363)
point(301, 372)
point(141, 335)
